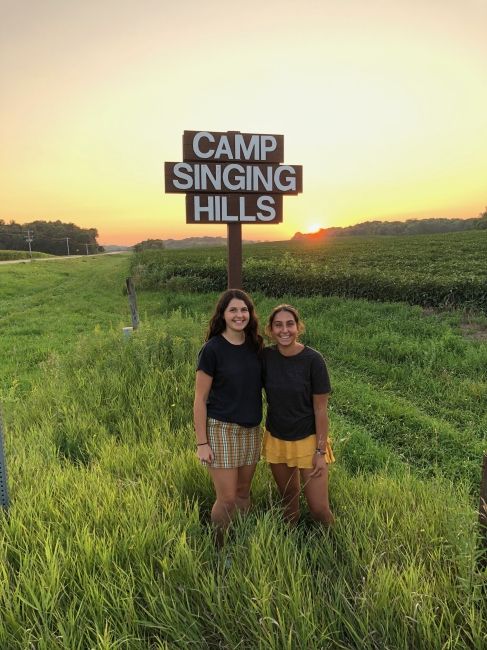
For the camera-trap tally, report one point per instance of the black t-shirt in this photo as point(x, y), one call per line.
point(290, 383)
point(236, 391)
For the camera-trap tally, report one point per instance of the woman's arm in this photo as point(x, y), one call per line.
point(320, 408)
point(201, 392)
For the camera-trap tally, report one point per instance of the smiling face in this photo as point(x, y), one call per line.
point(236, 315)
point(284, 329)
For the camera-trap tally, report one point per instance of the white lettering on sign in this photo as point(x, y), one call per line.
point(233, 177)
point(179, 171)
point(196, 144)
point(199, 177)
point(265, 204)
point(215, 208)
point(268, 143)
point(289, 181)
point(223, 149)
point(239, 180)
point(247, 153)
point(258, 177)
point(258, 148)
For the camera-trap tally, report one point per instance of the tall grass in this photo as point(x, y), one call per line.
point(107, 543)
point(45, 306)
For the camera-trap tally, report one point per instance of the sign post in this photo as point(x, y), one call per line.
point(233, 178)
point(234, 256)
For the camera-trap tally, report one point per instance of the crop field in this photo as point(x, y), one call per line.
point(107, 542)
point(444, 270)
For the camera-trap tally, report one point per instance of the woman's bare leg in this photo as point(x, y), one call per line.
point(316, 493)
point(287, 479)
point(225, 482)
point(244, 480)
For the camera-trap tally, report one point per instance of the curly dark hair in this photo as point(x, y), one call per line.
point(217, 322)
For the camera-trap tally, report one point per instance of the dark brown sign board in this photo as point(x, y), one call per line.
point(233, 208)
point(233, 145)
point(225, 178)
point(233, 178)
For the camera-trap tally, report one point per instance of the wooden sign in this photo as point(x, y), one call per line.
point(184, 177)
point(218, 165)
point(233, 178)
point(233, 208)
point(203, 145)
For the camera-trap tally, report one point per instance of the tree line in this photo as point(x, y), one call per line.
point(149, 244)
point(54, 237)
point(408, 227)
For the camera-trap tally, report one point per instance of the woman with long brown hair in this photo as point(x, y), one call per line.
point(228, 404)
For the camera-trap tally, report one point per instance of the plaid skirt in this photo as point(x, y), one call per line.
point(293, 453)
point(233, 445)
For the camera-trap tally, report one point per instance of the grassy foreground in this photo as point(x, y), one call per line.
point(107, 542)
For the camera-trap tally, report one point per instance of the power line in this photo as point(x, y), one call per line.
point(29, 239)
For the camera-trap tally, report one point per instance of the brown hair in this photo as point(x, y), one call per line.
point(217, 323)
point(294, 313)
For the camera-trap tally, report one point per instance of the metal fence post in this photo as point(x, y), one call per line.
point(483, 515)
point(4, 502)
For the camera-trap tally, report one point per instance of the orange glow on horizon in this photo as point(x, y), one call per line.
point(383, 104)
point(314, 228)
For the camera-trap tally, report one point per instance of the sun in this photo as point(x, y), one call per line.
point(313, 228)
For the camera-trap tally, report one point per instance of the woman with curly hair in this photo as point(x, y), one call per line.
point(296, 442)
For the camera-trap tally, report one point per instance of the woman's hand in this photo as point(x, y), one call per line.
point(205, 454)
point(319, 465)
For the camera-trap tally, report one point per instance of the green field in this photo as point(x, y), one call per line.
point(107, 543)
point(444, 270)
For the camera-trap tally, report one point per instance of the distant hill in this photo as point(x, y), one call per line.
point(114, 248)
point(195, 242)
point(409, 227)
point(188, 242)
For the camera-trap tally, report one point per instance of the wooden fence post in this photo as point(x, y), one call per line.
point(4, 501)
point(483, 515)
point(132, 303)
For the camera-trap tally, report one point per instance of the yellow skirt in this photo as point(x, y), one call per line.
point(293, 453)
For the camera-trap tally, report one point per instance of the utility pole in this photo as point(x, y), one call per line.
point(29, 239)
point(67, 243)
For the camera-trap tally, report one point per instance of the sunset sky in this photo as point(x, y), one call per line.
point(384, 103)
